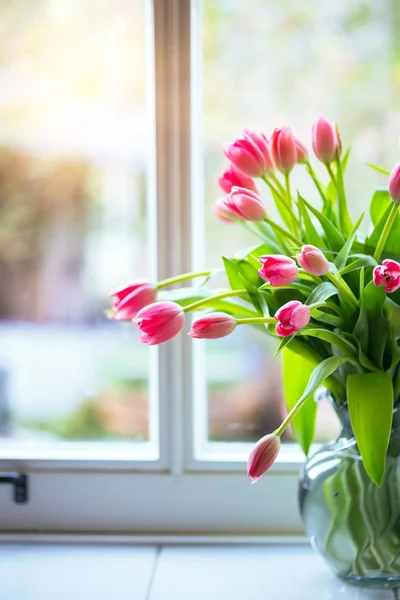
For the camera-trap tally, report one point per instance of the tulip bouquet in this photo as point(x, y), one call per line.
point(328, 293)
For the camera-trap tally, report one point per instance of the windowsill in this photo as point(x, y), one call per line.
point(197, 572)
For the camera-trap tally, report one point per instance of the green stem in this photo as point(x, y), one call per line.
point(278, 183)
point(290, 203)
point(331, 174)
point(280, 194)
point(255, 320)
point(283, 231)
point(183, 277)
point(344, 288)
point(385, 232)
point(195, 305)
point(317, 183)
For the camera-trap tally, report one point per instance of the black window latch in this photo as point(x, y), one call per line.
point(20, 483)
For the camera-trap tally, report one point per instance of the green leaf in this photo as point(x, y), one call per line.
point(377, 325)
point(189, 295)
point(341, 259)
point(370, 401)
point(334, 238)
point(329, 336)
point(392, 313)
point(321, 372)
point(392, 245)
point(312, 235)
point(379, 204)
point(363, 260)
point(345, 223)
point(322, 292)
point(283, 344)
point(297, 371)
point(380, 169)
point(232, 273)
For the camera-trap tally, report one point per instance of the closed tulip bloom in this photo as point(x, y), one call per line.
point(129, 299)
point(233, 178)
point(291, 317)
point(324, 140)
point(244, 204)
point(249, 154)
point(263, 456)
point(394, 184)
point(223, 212)
point(387, 275)
point(301, 152)
point(159, 322)
point(278, 269)
point(283, 149)
point(212, 326)
point(312, 260)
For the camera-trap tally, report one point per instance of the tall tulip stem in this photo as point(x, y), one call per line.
point(385, 232)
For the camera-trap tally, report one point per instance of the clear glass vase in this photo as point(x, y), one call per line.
point(352, 523)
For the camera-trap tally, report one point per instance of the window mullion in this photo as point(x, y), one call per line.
point(172, 218)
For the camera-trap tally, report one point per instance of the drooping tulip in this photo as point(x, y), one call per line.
point(291, 317)
point(212, 326)
point(231, 177)
point(243, 204)
point(129, 299)
point(278, 270)
point(263, 456)
point(159, 322)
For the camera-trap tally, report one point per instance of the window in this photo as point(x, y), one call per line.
point(114, 437)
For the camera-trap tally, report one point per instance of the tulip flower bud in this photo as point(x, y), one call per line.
point(159, 322)
point(387, 275)
point(394, 184)
point(128, 300)
point(250, 154)
point(312, 260)
point(324, 140)
point(263, 456)
point(291, 317)
point(223, 212)
point(301, 152)
point(278, 270)
point(243, 204)
point(212, 326)
point(283, 149)
point(233, 178)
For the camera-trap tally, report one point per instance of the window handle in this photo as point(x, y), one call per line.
point(20, 483)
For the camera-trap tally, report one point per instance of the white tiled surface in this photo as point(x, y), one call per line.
point(45, 572)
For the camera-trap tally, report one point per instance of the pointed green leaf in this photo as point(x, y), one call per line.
point(379, 204)
point(296, 372)
point(321, 372)
point(312, 235)
point(329, 336)
point(345, 223)
point(232, 274)
point(334, 238)
point(360, 260)
point(370, 401)
point(379, 169)
point(341, 259)
point(322, 292)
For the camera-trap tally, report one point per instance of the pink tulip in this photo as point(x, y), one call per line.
point(394, 184)
point(223, 212)
point(387, 275)
point(283, 149)
point(291, 317)
point(159, 322)
point(312, 260)
point(212, 326)
point(129, 299)
point(301, 152)
point(263, 456)
point(324, 140)
point(243, 204)
point(233, 178)
point(278, 270)
point(250, 154)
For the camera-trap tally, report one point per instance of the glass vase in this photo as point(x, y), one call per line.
point(351, 522)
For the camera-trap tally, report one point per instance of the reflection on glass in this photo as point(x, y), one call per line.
point(72, 218)
point(266, 64)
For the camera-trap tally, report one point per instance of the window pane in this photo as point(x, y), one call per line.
point(72, 218)
point(266, 64)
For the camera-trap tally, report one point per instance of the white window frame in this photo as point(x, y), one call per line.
point(173, 491)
